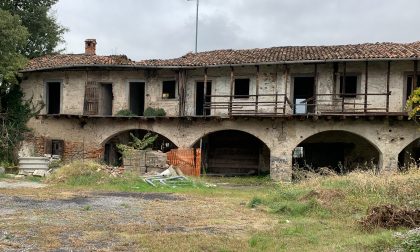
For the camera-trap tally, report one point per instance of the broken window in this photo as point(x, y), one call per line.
point(168, 89)
point(54, 147)
point(53, 99)
point(409, 85)
point(349, 88)
point(241, 88)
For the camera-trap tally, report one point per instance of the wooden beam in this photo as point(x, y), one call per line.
point(205, 91)
point(366, 84)
point(257, 87)
point(343, 86)
point(286, 78)
point(231, 90)
point(315, 87)
point(414, 76)
point(388, 75)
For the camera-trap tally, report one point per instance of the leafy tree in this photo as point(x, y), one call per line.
point(45, 34)
point(12, 36)
point(413, 104)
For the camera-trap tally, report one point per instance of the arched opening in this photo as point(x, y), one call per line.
point(112, 155)
point(233, 153)
point(410, 155)
point(340, 151)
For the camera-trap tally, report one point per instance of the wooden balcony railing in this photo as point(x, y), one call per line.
point(280, 104)
point(264, 104)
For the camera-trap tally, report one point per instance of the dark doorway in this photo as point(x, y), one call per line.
point(137, 98)
point(199, 98)
point(410, 155)
point(106, 99)
point(303, 89)
point(53, 97)
point(233, 153)
point(340, 151)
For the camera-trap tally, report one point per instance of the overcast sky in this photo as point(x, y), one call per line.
point(149, 29)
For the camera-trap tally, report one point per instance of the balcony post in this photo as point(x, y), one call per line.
point(231, 91)
point(314, 105)
point(366, 85)
point(414, 76)
point(343, 87)
point(286, 78)
point(257, 87)
point(205, 91)
point(388, 75)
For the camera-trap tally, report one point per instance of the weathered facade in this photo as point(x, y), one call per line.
point(247, 109)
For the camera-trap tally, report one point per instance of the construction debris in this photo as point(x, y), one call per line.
point(169, 177)
point(112, 171)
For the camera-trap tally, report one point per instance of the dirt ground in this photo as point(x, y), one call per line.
point(51, 219)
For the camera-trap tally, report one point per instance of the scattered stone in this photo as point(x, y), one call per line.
point(40, 173)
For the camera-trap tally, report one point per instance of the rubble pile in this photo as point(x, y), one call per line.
point(391, 216)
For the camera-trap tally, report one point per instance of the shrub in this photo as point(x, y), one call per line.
point(78, 173)
point(154, 112)
point(125, 112)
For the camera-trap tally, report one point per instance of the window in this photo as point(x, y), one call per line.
point(168, 89)
point(241, 88)
point(53, 99)
point(350, 87)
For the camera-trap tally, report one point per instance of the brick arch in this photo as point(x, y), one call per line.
point(340, 130)
point(249, 132)
point(116, 133)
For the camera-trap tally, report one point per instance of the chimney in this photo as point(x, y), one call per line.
point(90, 46)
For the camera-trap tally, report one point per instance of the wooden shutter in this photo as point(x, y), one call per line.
point(91, 98)
point(47, 146)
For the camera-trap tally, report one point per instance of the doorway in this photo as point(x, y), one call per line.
point(199, 98)
point(106, 99)
point(136, 98)
point(410, 87)
point(53, 97)
point(303, 89)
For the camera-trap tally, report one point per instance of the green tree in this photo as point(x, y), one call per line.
point(45, 34)
point(413, 104)
point(12, 37)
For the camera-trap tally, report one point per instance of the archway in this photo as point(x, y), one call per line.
point(112, 155)
point(341, 151)
point(233, 153)
point(410, 155)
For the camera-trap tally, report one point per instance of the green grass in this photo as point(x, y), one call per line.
point(319, 214)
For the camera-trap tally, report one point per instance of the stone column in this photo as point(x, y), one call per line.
point(388, 162)
point(281, 165)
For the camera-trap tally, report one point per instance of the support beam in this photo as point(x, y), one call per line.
point(343, 86)
point(414, 86)
point(366, 84)
point(205, 91)
point(388, 75)
point(257, 88)
point(231, 90)
point(286, 79)
point(314, 105)
point(182, 79)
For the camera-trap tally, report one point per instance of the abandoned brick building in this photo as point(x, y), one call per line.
point(250, 111)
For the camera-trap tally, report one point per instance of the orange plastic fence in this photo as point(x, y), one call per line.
point(188, 160)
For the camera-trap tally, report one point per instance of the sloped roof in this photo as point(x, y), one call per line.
point(286, 54)
point(73, 60)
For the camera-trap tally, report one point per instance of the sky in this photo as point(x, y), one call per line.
point(160, 29)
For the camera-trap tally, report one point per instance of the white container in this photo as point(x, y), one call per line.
point(30, 164)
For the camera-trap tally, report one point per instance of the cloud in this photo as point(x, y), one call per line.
point(166, 28)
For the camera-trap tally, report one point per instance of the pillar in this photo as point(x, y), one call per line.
point(388, 162)
point(281, 165)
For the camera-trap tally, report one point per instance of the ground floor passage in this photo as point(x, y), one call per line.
point(240, 147)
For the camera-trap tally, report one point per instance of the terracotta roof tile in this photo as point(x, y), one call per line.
point(366, 51)
point(74, 60)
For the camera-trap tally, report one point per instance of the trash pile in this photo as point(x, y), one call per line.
point(170, 177)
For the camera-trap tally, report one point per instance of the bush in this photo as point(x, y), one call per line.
point(78, 173)
point(125, 112)
point(154, 112)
